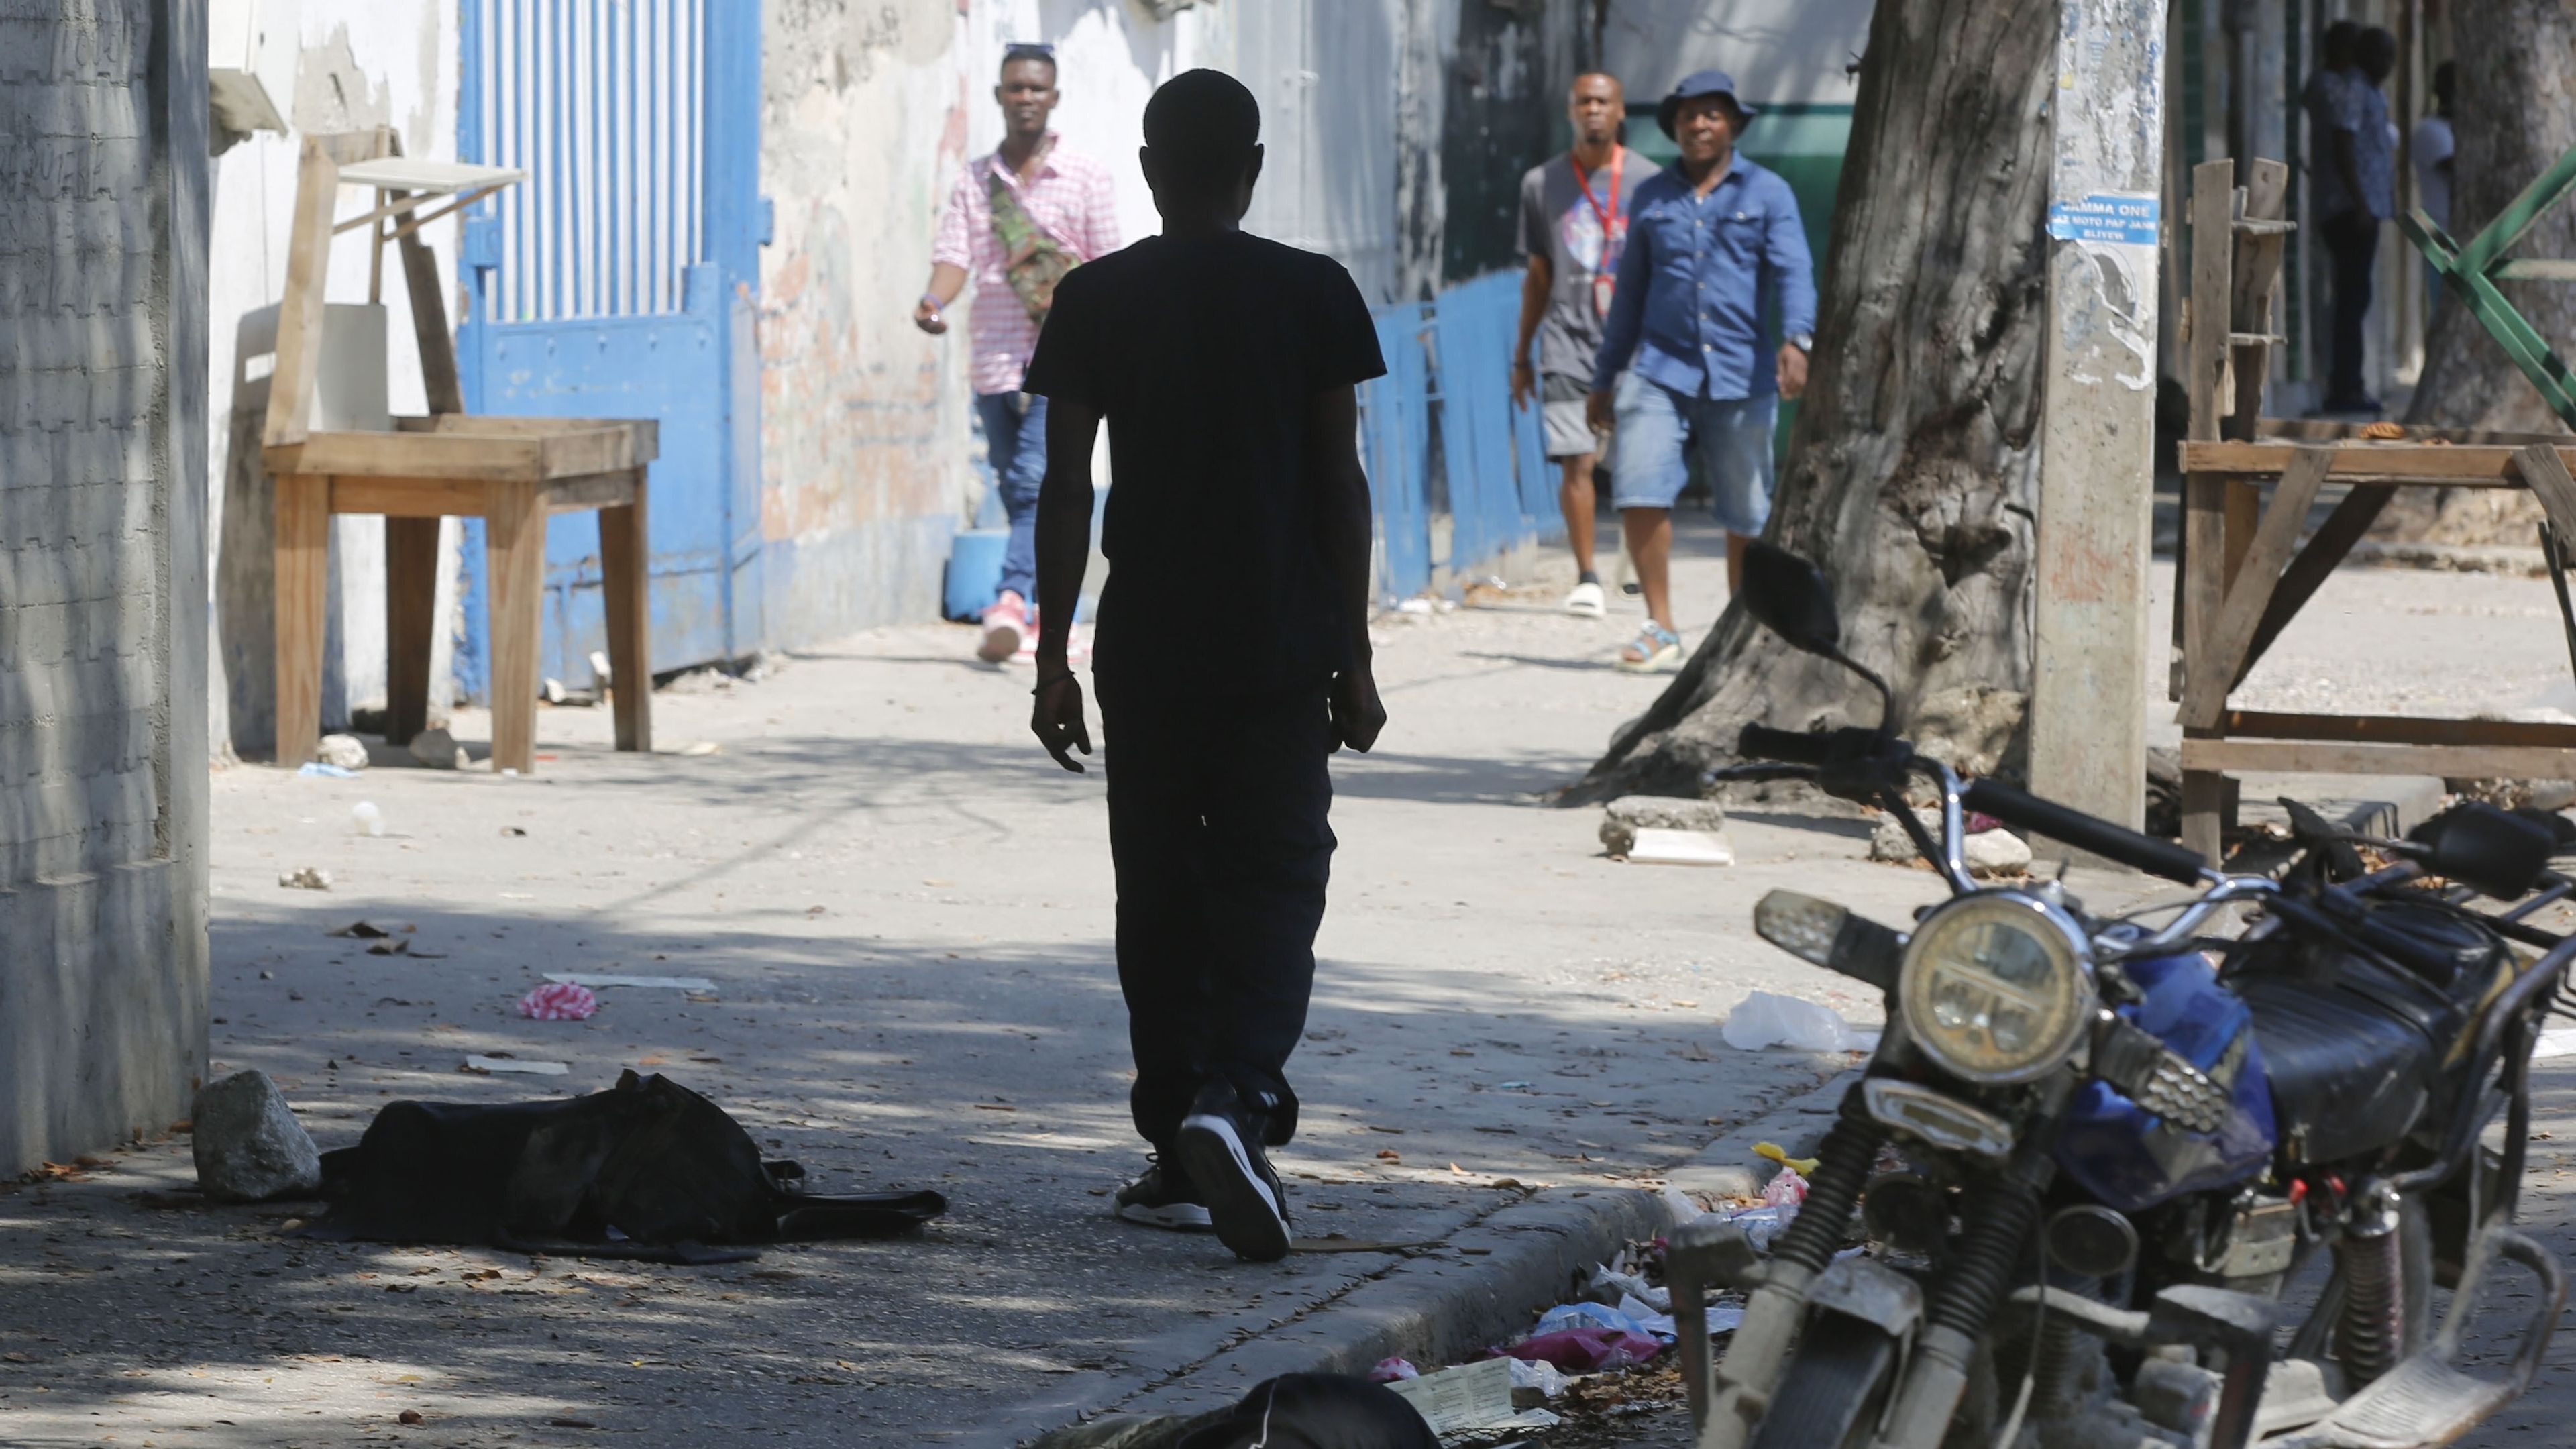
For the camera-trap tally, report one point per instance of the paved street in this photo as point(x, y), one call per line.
point(906, 912)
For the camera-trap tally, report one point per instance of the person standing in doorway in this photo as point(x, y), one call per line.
point(2353, 186)
point(1574, 223)
point(1225, 366)
point(1016, 222)
point(1716, 244)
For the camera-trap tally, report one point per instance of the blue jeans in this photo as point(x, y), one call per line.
point(1015, 441)
point(1661, 432)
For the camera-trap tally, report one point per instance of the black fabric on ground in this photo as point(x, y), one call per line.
point(646, 1169)
point(1317, 1411)
point(1218, 830)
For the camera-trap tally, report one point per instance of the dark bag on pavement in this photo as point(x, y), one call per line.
point(647, 1170)
point(1292, 1411)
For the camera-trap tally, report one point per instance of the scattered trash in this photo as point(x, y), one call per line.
point(1683, 1209)
point(1766, 1019)
point(504, 1062)
point(1414, 606)
point(407, 1416)
point(367, 817)
point(1588, 1350)
point(1761, 1224)
point(1678, 847)
point(345, 751)
point(1625, 816)
point(1535, 1381)
point(1611, 1286)
point(1804, 1166)
point(559, 1001)
point(1511, 1086)
point(316, 770)
point(439, 750)
point(595, 981)
point(398, 946)
point(702, 747)
point(601, 676)
point(247, 1143)
point(1391, 1369)
point(1598, 1315)
point(1467, 1397)
point(306, 878)
point(1787, 1188)
point(362, 930)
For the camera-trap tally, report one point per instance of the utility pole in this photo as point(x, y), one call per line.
point(2097, 453)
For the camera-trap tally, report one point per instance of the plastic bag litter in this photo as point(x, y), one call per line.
point(1766, 1019)
point(1787, 1188)
point(1588, 1350)
point(1646, 1316)
point(1586, 1315)
point(1538, 1376)
point(1762, 1224)
point(1390, 1369)
point(1609, 1285)
point(559, 1002)
point(1682, 1208)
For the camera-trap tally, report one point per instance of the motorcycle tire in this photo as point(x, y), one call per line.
point(1834, 1390)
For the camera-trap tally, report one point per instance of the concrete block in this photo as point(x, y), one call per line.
point(247, 1143)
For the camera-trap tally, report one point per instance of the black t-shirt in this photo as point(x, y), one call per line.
point(1203, 355)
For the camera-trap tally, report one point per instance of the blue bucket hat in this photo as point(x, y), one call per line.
point(1699, 83)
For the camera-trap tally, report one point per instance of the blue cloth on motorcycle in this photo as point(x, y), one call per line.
point(1700, 83)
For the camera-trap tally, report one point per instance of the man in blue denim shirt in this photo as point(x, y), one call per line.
point(1709, 241)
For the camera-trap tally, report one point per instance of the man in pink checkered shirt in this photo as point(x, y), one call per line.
point(1054, 209)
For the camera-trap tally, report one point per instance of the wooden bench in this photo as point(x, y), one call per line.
point(512, 472)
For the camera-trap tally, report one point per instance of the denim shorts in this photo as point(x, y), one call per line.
point(1662, 432)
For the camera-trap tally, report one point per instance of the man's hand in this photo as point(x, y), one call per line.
point(1793, 369)
point(927, 317)
point(1058, 720)
point(1598, 411)
point(1357, 712)
point(1524, 383)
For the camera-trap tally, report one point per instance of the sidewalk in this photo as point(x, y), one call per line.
point(907, 913)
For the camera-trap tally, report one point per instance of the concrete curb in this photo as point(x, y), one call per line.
point(1438, 1307)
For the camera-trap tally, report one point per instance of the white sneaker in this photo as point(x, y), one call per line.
point(1585, 602)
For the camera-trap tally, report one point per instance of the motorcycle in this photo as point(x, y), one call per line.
point(2090, 1154)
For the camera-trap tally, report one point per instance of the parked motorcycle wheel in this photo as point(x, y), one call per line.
point(1834, 1390)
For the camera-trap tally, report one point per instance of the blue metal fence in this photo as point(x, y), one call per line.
point(1453, 352)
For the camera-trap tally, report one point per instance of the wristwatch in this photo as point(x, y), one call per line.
point(1803, 341)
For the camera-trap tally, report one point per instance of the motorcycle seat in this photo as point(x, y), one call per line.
point(2348, 1075)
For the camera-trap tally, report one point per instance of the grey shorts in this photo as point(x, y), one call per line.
point(1561, 401)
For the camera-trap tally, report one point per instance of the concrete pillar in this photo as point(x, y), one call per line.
point(2097, 464)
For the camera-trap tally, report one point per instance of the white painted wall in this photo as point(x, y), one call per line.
point(383, 62)
point(1781, 52)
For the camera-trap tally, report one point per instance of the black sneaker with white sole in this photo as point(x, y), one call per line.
point(1164, 1198)
point(1220, 1147)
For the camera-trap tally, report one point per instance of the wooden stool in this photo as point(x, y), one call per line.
point(512, 472)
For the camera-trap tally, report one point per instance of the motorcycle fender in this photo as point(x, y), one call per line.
point(1871, 1292)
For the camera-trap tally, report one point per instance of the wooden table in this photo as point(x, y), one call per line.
point(512, 472)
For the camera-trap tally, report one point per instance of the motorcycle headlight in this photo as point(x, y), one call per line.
point(1994, 987)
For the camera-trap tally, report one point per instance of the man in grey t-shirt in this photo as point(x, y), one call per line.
point(1574, 222)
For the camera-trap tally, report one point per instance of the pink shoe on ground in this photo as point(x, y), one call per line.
point(1006, 623)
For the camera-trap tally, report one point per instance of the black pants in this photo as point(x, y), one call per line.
point(2352, 242)
point(1217, 829)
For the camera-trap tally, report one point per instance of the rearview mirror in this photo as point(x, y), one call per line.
point(1787, 595)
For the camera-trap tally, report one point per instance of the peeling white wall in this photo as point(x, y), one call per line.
point(388, 62)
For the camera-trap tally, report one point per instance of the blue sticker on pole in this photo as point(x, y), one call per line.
point(2106, 216)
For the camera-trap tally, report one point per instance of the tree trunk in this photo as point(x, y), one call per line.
point(2517, 61)
point(1913, 472)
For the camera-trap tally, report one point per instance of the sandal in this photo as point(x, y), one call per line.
point(1655, 650)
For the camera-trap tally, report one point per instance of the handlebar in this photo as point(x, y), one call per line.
point(2165, 858)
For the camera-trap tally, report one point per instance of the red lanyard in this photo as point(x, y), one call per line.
point(1609, 215)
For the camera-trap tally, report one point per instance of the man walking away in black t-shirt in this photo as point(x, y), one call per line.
point(1232, 652)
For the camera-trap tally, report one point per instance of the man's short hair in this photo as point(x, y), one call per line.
point(1590, 74)
point(2340, 38)
point(1202, 125)
point(1042, 54)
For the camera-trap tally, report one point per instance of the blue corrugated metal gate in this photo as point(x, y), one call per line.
point(1454, 350)
point(620, 281)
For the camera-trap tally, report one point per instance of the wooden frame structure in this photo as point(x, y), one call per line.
point(2243, 574)
point(512, 472)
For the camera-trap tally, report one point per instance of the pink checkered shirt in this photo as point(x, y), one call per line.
point(1070, 199)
